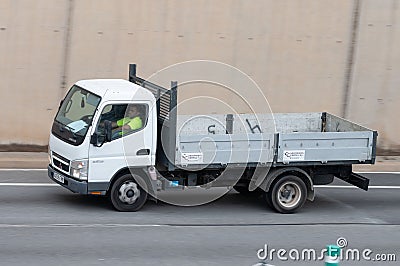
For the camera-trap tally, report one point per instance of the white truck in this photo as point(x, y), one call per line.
point(277, 156)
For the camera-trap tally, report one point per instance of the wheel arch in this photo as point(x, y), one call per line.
point(138, 172)
point(274, 174)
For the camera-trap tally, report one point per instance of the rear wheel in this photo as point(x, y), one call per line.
point(287, 194)
point(126, 195)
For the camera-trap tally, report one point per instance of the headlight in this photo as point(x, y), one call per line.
point(79, 169)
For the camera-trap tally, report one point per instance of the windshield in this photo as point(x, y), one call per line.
point(75, 115)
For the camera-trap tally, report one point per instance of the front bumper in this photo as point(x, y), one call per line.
point(75, 186)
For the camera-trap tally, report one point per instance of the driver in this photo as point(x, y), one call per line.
point(131, 122)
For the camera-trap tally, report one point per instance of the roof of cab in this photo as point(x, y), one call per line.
point(116, 89)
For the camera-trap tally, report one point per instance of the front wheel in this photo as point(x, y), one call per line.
point(126, 194)
point(287, 194)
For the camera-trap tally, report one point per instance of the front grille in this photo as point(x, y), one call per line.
point(61, 163)
point(61, 157)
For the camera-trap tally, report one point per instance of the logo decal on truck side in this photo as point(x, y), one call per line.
point(294, 155)
point(192, 157)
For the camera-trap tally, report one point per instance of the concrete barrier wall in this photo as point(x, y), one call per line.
point(32, 61)
point(374, 98)
point(337, 56)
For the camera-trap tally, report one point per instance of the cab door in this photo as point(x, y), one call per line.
point(133, 148)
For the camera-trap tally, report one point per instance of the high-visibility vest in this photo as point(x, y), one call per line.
point(133, 123)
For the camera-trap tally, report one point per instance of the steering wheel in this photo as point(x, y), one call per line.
point(116, 134)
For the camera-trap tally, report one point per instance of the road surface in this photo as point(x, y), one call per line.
point(42, 223)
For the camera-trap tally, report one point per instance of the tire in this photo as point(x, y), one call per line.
point(287, 194)
point(126, 195)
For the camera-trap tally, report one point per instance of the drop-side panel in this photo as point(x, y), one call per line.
point(225, 149)
point(325, 147)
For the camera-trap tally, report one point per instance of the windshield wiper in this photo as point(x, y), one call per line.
point(70, 129)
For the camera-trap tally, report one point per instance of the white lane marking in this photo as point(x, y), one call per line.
point(80, 225)
point(28, 184)
point(393, 173)
point(35, 169)
point(377, 187)
point(316, 186)
point(54, 185)
point(22, 170)
point(193, 226)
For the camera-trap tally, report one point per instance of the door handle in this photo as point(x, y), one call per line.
point(143, 152)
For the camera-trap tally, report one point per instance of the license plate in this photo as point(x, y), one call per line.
point(59, 178)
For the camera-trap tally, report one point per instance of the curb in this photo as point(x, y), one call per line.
point(23, 160)
point(39, 160)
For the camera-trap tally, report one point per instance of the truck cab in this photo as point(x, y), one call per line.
point(80, 139)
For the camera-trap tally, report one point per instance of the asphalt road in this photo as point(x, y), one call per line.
point(45, 224)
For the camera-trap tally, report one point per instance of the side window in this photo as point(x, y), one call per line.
point(125, 119)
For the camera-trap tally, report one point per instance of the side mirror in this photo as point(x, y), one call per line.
point(107, 130)
point(94, 139)
point(98, 139)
